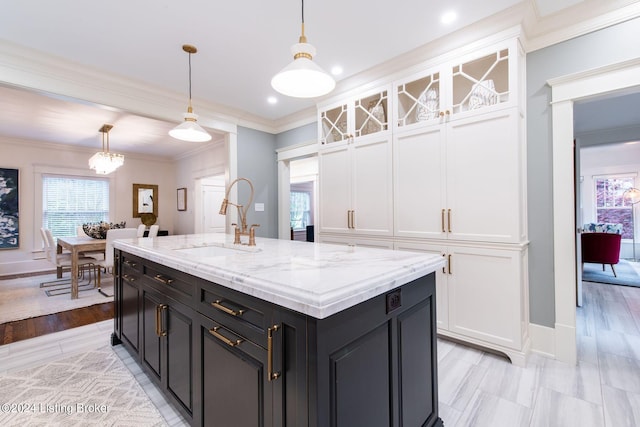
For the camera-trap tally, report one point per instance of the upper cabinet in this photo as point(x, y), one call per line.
point(355, 117)
point(473, 84)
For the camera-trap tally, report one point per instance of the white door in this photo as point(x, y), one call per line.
point(212, 221)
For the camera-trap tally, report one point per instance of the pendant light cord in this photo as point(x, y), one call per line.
point(189, 79)
point(303, 12)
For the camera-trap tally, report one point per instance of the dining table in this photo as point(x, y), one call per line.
point(77, 245)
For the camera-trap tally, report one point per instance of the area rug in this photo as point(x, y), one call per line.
point(627, 275)
point(89, 389)
point(23, 298)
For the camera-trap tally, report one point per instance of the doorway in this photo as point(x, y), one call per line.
point(566, 91)
point(303, 196)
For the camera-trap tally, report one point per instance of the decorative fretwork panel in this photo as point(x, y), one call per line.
point(334, 125)
point(481, 83)
point(419, 100)
point(371, 114)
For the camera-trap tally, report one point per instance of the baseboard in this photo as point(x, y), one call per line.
point(557, 343)
point(543, 340)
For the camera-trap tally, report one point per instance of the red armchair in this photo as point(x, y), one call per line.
point(601, 248)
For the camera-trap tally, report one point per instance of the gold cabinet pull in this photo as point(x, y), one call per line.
point(218, 304)
point(271, 375)
point(349, 219)
point(159, 330)
point(444, 271)
point(449, 264)
point(442, 217)
point(128, 278)
point(449, 220)
point(160, 278)
point(353, 219)
point(222, 338)
point(130, 263)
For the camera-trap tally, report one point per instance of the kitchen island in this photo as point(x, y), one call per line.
point(283, 333)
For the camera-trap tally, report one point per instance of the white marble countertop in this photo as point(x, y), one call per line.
point(316, 279)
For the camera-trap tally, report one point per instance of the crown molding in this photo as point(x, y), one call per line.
point(576, 21)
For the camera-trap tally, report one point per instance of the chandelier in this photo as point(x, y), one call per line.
point(104, 162)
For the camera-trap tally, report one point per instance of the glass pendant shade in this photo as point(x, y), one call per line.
point(190, 130)
point(303, 78)
point(104, 162)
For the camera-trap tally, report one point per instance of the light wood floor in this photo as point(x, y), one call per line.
point(475, 388)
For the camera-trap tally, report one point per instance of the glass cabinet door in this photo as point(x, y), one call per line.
point(334, 124)
point(481, 83)
point(419, 100)
point(371, 114)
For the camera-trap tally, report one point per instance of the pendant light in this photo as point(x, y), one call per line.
point(190, 130)
point(104, 162)
point(303, 78)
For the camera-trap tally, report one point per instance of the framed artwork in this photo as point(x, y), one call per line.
point(9, 232)
point(145, 199)
point(182, 199)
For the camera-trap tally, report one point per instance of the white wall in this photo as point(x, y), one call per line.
point(32, 158)
point(609, 159)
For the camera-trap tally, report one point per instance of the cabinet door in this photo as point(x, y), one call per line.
point(485, 295)
point(235, 389)
point(168, 345)
point(129, 299)
point(420, 183)
point(442, 290)
point(372, 186)
point(335, 189)
point(484, 182)
point(151, 331)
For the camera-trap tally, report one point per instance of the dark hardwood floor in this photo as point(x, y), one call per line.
point(29, 328)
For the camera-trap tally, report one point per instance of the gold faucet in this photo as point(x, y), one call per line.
point(242, 212)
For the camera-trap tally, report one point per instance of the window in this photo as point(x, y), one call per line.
point(610, 204)
point(68, 202)
point(300, 209)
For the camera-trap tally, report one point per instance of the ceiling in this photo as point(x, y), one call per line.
point(241, 45)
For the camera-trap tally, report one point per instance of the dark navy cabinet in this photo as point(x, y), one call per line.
point(229, 359)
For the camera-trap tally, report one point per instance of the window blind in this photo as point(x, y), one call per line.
point(68, 202)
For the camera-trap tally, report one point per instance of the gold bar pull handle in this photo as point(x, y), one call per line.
point(130, 263)
point(349, 219)
point(444, 269)
point(158, 309)
point(353, 219)
point(218, 304)
point(270, 374)
point(224, 339)
point(442, 217)
point(128, 278)
point(449, 264)
point(159, 329)
point(160, 278)
point(449, 219)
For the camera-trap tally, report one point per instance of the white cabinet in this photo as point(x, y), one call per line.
point(462, 179)
point(446, 175)
point(356, 176)
point(481, 295)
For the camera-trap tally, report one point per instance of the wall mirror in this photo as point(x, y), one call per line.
point(145, 199)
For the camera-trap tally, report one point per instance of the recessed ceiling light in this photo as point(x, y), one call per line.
point(448, 17)
point(336, 70)
point(272, 100)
